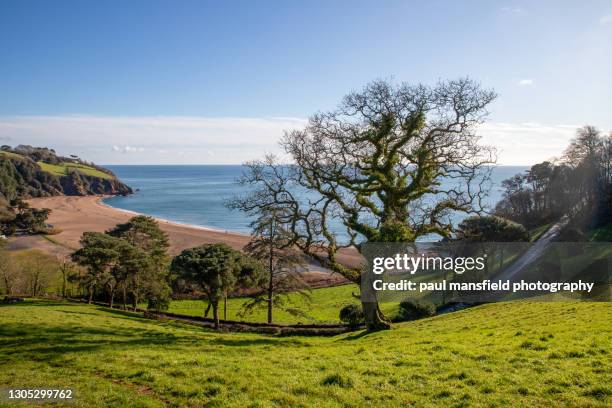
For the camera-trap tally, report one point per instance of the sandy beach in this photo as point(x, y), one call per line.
point(75, 215)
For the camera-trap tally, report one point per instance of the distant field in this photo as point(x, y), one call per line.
point(504, 354)
point(62, 170)
point(10, 154)
point(324, 307)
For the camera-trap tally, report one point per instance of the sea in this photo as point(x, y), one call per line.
point(197, 194)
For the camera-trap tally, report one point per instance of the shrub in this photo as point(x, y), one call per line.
point(414, 310)
point(351, 315)
point(491, 229)
point(158, 304)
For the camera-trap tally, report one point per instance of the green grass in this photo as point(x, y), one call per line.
point(11, 154)
point(62, 169)
point(601, 234)
point(537, 232)
point(324, 307)
point(505, 354)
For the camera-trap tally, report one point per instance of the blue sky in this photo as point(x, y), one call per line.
point(217, 82)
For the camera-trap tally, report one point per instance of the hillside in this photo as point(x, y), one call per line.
point(27, 172)
point(505, 354)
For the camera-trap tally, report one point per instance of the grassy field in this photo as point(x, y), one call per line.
point(11, 154)
point(505, 354)
point(62, 170)
point(323, 307)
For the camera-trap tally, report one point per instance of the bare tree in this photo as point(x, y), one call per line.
point(67, 269)
point(39, 270)
point(272, 245)
point(11, 276)
point(390, 164)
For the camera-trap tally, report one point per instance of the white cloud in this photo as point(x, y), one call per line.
point(526, 143)
point(127, 149)
point(607, 19)
point(514, 10)
point(200, 140)
point(160, 139)
point(526, 82)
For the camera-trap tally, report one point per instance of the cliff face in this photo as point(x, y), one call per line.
point(80, 184)
point(22, 176)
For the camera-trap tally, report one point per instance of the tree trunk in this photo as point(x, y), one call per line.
point(9, 287)
point(35, 285)
point(215, 307)
point(112, 298)
point(90, 294)
point(207, 309)
point(270, 299)
point(63, 283)
point(124, 298)
point(225, 307)
point(374, 318)
point(271, 281)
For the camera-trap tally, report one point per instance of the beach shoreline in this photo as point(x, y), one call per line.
point(73, 215)
point(167, 221)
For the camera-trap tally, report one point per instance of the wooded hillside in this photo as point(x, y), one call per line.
point(27, 171)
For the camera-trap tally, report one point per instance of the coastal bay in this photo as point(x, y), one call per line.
point(74, 215)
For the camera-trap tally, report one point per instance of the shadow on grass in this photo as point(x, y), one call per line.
point(358, 335)
point(55, 339)
point(30, 303)
point(256, 340)
point(40, 342)
point(120, 312)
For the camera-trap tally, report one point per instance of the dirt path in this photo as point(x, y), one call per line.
point(534, 252)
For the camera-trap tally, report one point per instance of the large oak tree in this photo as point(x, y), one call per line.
point(390, 164)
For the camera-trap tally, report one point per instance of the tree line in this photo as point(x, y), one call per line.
point(579, 184)
point(34, 273)
point(131, 262)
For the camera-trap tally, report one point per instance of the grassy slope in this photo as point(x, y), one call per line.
point(11, 154)
point(324, 307)
point(507, 354)
point(62, 170)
